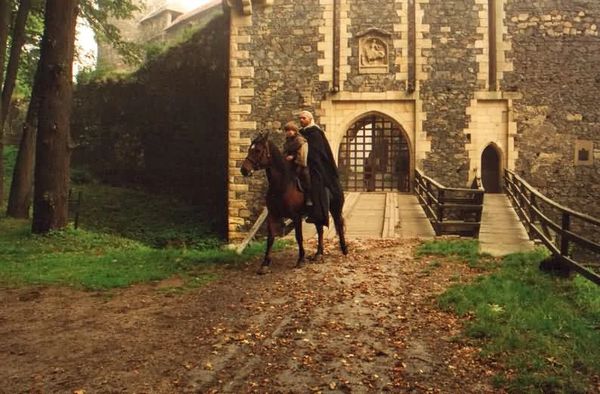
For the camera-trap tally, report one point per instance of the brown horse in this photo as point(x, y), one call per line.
point(284, 199)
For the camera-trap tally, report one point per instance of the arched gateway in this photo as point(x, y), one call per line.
point(491, 169)
point(374, 155)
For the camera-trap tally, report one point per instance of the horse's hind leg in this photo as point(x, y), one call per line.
point(319, 253)
point(265, 266)
point(300, 241)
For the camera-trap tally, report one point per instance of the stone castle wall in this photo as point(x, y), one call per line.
point(536, 110)
point(556, 52)
point(456, 75)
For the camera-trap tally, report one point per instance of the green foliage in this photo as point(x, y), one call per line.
point(156, 221)
point(467, 249)
point(97, 74)
point(94, 260)
point(10, 155)
point(99, 13)
point(81, 176)
point(126, 237)
point(155, 49)
point(34, 28)
point(543, 329)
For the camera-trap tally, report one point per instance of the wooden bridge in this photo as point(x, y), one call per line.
point(503, 223)
point(392, 215)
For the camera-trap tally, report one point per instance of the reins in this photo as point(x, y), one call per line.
point(256, 162)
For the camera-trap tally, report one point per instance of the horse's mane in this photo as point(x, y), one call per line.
point(279, 160)
point(279, 163)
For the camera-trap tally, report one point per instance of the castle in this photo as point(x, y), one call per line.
point(157, 20)
point(456, 88)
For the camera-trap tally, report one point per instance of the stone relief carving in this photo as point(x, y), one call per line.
point(584, 152)
point(373, 51)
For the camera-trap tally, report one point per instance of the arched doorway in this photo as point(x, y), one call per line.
point(490, 170)
point(374, 156)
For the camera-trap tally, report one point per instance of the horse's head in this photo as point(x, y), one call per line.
point(259, 156)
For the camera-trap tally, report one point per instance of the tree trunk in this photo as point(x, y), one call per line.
point(18, 39)
point(4, 27)
point(51, 177)
point(21, 188)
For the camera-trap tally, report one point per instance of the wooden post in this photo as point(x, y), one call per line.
point(253, 230)
point(564, 237)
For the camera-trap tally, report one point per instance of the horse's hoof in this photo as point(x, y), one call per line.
point(344, 250)
point(300, 263)
point(264, 269)
point(317, 258)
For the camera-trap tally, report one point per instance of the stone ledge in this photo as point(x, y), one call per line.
point(497, 95)
point(374, 96)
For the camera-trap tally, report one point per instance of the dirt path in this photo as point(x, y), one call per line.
point(362, 323)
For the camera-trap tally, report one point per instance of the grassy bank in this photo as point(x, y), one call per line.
point(94, 260)
point(124, 237)
point(544, 330)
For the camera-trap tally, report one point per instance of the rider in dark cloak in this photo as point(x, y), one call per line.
point(323, 170)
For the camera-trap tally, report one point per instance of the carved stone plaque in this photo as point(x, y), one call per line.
point(373, 52)
point(584, 152)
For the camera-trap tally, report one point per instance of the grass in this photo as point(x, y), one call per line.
point(462, 249)
point(154, 220)
point(543, 330)
point(91, 260)
point(125, 237)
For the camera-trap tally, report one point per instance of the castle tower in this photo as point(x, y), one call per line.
point(108, 56)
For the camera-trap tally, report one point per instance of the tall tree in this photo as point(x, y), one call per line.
point(97, 16)
point(18, 39)
point(4, 29)
point(21, 188)
point(51, 176)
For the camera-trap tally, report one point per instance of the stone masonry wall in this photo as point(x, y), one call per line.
point(363, 15)
point(450, 85)
point(556, 56)
point(275, 75)
point(547, 54)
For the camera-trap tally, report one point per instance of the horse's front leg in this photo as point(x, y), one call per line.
point(340, 229)
point(299, 241)
point(266, 264)
point(318, 257)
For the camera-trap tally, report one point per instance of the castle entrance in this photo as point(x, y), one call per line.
point(490, 170)
point(374, 156)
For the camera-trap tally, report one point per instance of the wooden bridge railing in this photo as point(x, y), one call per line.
point(450, 210)
point(572, 237)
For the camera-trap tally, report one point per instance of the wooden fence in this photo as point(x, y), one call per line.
point(450, 210)
point(572, 237)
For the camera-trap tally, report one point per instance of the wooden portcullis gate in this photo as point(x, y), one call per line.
point(374, 156)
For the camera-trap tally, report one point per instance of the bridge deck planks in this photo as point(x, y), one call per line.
point(501, 231)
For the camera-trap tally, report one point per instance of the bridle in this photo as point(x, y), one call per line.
point(256, 163)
